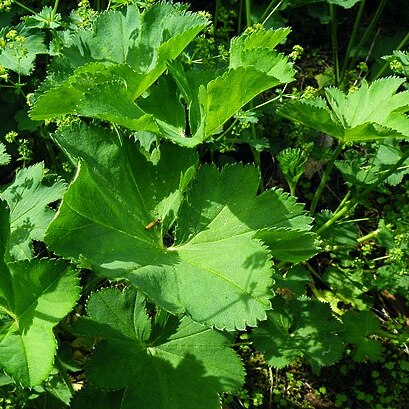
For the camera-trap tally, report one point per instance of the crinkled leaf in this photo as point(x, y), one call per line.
point(28, 199)
point(187, 369)
point(118, 192)
point(372, 112)
point(299, 328)
point(133, 47)
point(358, 327)
point(20, 57)
point(34, 296)
point(4, 156)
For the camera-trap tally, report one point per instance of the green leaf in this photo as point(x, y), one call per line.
point(372, 112)
point(134, 49)
point(187, 369)
point(299, 328)
point(4, 156)
point(346, 4)
point(348, 287)
point(118, 192)
point(28, 199)
point(358, 327)
point(34, 296)
point(46, 18)
point(289, 244)
point(20, 57)
point(291, 162)
point(91, 397)
point(254, 67)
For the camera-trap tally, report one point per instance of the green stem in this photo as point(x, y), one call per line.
point(216, 13)
point(368, 32)
point(248, 13)
point(265, 16)
point(399, 47)
point(353, 202)
point(352, 39)
point(368, 236)
point(345, 209)
point(334, 40)
point(264, 20)
point(325, 178)
point(55, 8)
point(26, 8)
point(239, 22)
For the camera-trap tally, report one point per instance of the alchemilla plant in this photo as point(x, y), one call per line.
point(150, 258)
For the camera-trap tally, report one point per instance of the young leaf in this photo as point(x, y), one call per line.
point(35, 296)
point(30, 215)
point(373, 111)
point(108, 219)
point(187, 369)
point(299, 328)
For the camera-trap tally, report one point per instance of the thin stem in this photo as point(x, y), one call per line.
point(55, 8)
point(248, 13)
point(352, 39)
point(343, 201)
point(334, 40)
point(399, 47)
point(267, 10)
point(368, 32)
point(239, 22)
point(345, 209)
point(353, 202)
point(368, 236)
point(26, 8)
point(216, 13)
point(325, 178)
point(271, 13)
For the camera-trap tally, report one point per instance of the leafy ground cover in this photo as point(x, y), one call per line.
point(201, 207)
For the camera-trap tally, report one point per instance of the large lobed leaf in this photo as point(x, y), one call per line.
point(372, 112)
point(217, 271)
point(132, 48)
point(104, 71)
point(34, 296)
point(28, 199)
point(186, 368)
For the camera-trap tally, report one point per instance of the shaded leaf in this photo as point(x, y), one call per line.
point(187, 369)
point(299, 328)
point(358, 327)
